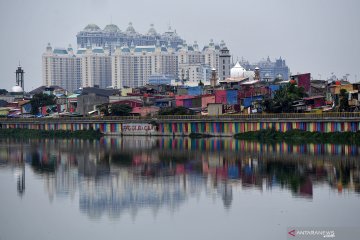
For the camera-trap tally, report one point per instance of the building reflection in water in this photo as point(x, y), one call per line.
point(124, 175)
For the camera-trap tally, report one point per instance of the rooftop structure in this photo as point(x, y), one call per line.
point(268, 69)
point(112, 36)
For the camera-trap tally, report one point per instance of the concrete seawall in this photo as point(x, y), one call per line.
point(225, 125)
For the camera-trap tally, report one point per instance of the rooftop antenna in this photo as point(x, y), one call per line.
point(169, 25)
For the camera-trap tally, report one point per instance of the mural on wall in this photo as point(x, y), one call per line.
point(230, 128)
point(138, 129)
point(185, 128)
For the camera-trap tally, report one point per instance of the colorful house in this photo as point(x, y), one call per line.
point(179, 100)
point(206, 99)
point(131, 102)
point(314, 102)
point(145, 111)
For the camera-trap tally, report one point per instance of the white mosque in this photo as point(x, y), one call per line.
point(240, 75)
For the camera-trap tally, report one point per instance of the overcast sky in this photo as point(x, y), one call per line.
point(316, 36)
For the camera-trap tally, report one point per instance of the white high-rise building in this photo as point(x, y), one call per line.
point(196, 65)
point(96, 67)
point(62, 68)
point(132, 66)
point(87, 68)
point(193, 74)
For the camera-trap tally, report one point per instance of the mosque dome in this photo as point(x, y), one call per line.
point(111, 28)
point(237, 71)
point(16, 89)
point(92, 28)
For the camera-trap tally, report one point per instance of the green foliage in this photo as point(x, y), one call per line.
point(121, 158)
point(42, 167)
point(200, 135)
point(176, 111)
point(154, 123)
point(120, 110)
point(299, 136)
point(344, 102)
point(40, 100)
point(33, 133)
point(3, 91)
point(283, 99)
point(104, 109)
point(287, 174)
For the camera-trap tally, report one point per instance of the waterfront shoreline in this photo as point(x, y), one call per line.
point(300, 136)
point(34, 133)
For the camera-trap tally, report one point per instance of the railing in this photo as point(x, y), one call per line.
point(336, 115)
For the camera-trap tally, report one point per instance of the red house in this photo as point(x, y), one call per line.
point(315, 101)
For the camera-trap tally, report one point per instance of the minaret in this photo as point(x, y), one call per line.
point(224, 62)
point(213, 80)
point(257, 73)
point(20, 77)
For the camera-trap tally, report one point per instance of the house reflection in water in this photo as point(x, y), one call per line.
point(115, 176)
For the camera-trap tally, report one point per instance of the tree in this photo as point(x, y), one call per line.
point(176, 111)
point(41, 100)
point(344, 102)
point(103, 108)
point(120, 110)
point(3, 91)
point(284, 98)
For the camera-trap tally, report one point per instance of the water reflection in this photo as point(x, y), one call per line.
point(124, 175)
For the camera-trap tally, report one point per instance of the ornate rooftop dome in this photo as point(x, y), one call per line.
point(60, 51)
point(152, 30)
point(92, 28)
point(111, 28)
point(130, 29)
point(170, 34)
point(98, 50)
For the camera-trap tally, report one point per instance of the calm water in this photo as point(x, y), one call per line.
point(165, 188)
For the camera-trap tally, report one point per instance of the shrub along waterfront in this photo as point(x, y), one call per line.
point(200, 135)
point(33, 133)
point(299, 136)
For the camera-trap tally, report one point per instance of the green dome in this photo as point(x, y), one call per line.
point(92, 28)
point(111, 28)
point(130, 29)
point(152, 30)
